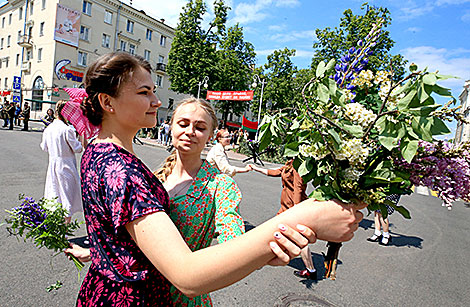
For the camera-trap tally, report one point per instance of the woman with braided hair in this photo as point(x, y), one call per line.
point(137, 252)
point(204, 203)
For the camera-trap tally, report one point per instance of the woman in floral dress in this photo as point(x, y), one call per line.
point(136, 249)
point(204, 203)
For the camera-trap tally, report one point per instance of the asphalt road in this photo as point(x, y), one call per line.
point(427, 264)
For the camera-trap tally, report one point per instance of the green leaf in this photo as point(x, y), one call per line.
point(442, 91)
point(291, 149)
point(332, 132)
point(404, 103)
point(422, 94)
point(265, 136)
point(323, 92)
point(321, 68)
point(304, 168)
point(430, 79)
point(408, 149)
point(355, 130)
point(438, 127)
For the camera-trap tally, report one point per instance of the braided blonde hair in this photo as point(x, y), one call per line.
point(167, 167)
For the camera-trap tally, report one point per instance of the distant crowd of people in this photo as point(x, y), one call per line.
point(13, 115)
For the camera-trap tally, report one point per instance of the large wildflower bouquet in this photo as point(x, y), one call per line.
point(44, 223)
point(356, 134)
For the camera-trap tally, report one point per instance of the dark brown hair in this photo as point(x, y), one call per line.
point(107, 75)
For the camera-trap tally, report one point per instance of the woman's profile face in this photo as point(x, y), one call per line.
point(136, 105)
point(225, 138)
point(191, 128)
point(50, 112)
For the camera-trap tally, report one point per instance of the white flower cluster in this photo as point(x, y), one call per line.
point(314, 150)
point(364, 78)
point(352, 174)
point(381, 76)
point(358, 114)
point(354, 151)
point(349, 95)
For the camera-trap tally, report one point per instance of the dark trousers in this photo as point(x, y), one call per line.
point(25, 124)
point(11, 123)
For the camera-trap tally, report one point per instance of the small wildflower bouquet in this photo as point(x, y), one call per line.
point(357, 133)
point(44, 223)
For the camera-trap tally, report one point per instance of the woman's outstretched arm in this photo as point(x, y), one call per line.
point(215, 267)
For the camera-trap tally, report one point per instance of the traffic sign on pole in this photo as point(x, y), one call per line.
point(16, 98)
point(16, 83)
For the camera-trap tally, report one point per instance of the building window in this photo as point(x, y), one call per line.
point(41, 29)
point(147, 55)
point(161, 59)
point(162, 40)
point(130, 26)
point(9, 18)
point(20, 14)
point(39, 54)
point(31, 8)
point(159, 81)
point(148, 36)
point(29, 55)
point(105, 41)
point(86, 8)
point(8, 41)
point(19, 34)
point(43, 4)
point(123, 46)
point(1, 43)
point(171, 101)
point(82, 56)
point(17, 59)
point(84, 32)
point(5, 86)
point(131, 49)
point(108, 17)
point(3, 22)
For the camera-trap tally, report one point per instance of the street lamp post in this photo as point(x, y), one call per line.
point(204, 81)
point(256, 79)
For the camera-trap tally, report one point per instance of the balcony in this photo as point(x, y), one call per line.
point(26, 66)
point(160, 67)
point(25, 41)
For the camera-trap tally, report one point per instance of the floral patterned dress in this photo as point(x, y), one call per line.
point(209, 209)
point(117, 189)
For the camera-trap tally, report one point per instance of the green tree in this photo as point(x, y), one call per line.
point(193, 53)
point(334, 43)
point(235, 61)
point(280, 89)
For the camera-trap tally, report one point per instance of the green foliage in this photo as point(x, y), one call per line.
point(334, 43)
point(235, 60)
point(218, 53)
point(347, 150)
point(279, 73)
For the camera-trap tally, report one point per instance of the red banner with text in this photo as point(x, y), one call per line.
point(230, 95)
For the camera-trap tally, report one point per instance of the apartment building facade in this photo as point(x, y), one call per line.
point(462, 133)
point(46, 45)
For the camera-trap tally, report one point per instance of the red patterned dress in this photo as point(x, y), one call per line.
point(118, 188)
point(209, 209)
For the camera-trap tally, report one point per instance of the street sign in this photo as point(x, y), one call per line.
point(16, 98)
point(16, 83)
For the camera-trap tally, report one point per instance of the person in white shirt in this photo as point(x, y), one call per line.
point(218, 157)
point(60, 141)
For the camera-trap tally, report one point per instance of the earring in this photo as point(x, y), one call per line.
point(111, 110)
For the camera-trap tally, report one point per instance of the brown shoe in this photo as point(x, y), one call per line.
point(306, 274)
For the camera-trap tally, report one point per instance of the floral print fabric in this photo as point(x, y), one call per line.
point(118, 188)
point(209, 209)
